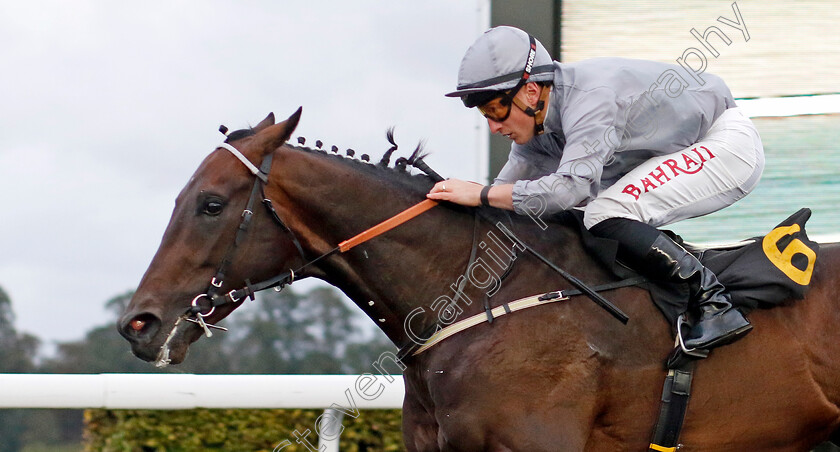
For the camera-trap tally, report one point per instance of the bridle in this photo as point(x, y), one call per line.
point(205, 304)
point(199, 310)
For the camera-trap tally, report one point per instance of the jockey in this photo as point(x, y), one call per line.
point(635, 144)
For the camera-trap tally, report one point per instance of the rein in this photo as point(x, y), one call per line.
point(200, 309)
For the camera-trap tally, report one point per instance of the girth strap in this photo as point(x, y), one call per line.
point(675, 394)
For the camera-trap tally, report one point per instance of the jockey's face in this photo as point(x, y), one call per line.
point(519, 127)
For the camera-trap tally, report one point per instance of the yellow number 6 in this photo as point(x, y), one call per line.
point(783, 259)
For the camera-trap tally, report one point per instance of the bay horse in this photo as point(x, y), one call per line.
point(560, 377)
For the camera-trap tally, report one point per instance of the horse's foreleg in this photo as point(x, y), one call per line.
point(420, 430)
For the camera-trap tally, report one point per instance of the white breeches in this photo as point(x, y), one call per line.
point(720, 169)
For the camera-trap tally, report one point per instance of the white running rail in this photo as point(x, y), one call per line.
point(186, 391)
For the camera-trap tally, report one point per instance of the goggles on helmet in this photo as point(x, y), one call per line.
point(497, 109)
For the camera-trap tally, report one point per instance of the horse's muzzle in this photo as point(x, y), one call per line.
point(140, 329)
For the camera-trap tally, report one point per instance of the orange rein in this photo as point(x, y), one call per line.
point(387, 225)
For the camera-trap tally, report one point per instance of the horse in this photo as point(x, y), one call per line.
point(563, 376)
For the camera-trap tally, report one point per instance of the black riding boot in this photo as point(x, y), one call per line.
point(655, 255)
point(718, 322)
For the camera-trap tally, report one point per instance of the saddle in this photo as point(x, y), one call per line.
point(759, 272)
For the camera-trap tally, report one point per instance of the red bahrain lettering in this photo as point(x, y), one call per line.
point(692, 161)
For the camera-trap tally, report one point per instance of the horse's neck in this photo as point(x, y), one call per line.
point(328, 200)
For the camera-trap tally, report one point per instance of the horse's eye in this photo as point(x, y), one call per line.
point(212, 207)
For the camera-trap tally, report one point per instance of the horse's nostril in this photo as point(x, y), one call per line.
point(137, 324)
point(141, 326)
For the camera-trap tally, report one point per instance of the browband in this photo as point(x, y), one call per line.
point(254, 170)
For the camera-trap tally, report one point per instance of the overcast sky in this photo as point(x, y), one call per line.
point(108, 107)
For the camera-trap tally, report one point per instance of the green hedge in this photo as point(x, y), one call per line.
point(232, 430)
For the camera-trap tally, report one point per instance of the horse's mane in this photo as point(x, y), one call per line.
point(397, 174)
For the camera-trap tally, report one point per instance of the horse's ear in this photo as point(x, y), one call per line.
point(268, 121)
point(275, 135)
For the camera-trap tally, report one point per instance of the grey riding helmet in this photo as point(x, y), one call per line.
point(496, 62)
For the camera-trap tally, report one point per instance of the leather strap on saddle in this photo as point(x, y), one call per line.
point(675, 394)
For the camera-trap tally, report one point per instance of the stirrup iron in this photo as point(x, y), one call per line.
point(682, 354)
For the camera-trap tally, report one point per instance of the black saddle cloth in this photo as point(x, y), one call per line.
point(764, 272)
